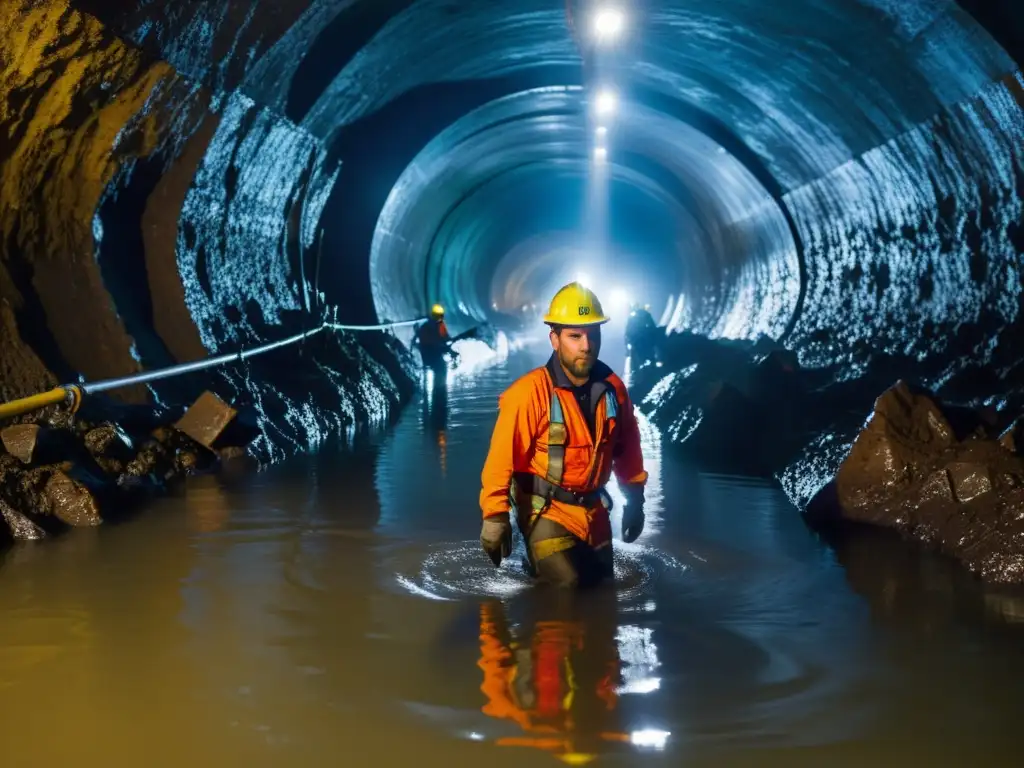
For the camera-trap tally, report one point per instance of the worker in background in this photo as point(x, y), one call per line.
point(641, 333)
point(433, 340)
point(562, 429)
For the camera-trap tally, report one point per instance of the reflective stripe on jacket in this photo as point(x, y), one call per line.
point(520, 444)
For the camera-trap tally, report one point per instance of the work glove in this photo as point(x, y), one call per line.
point(633, 513)
point(496, 538)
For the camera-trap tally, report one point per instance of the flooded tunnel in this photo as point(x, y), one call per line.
point(838, 182)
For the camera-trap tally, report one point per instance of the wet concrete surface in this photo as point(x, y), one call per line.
point(337, 610)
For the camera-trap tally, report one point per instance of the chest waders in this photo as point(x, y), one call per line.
point(531, 495)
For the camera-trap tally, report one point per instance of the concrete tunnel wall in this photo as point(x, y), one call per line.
point(885, 136)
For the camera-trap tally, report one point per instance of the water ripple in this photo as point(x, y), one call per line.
point(455, 570)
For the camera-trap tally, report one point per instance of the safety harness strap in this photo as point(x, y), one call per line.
point(558, 436)
point(542, 490)
point(611, 404)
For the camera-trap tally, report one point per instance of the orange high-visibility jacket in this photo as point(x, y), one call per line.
point(520, 444)
point(433, 332)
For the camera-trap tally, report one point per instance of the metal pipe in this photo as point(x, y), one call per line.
point(198, 365)
point(72, 393)
point(142, 378)
point(381, 327)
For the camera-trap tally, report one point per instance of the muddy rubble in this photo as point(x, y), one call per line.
point(854, 445)
point(61, 472)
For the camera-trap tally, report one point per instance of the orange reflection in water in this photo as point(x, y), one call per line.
point(558, 682)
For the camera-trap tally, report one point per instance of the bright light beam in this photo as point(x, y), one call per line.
point(606, 102)
point(609, 23)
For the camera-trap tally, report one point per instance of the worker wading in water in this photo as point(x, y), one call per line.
point(562, 429)
point(434, 341)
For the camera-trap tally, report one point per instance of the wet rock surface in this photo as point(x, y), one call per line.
point(20, 441)
point(942, 468)
point(732, 406)
point(206, 419)
point(115, 260)
point(958, 490)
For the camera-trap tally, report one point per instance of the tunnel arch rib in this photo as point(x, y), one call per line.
point(728, 238)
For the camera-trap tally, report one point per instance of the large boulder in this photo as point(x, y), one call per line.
point(937, 477)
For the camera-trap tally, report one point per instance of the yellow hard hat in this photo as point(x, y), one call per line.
point(575, 305)
point(437, 311)
point(576, 758)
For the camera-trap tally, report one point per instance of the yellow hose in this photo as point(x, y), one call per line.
point(33, 402)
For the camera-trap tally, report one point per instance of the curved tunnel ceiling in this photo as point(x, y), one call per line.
point(520, 166)
point(808, 84)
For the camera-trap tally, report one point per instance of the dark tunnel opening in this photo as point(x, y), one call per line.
point(1003, 21)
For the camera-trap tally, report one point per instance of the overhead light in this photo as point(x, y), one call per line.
point(618, 297)
point(609, 23)
point(602, 130)
point(606, 102)
point(600, 154)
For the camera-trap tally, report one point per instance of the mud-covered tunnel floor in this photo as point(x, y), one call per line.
point(336, 609)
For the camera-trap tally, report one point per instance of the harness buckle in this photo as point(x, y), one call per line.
point(557, 434)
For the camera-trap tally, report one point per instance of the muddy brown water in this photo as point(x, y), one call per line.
point(336, 610)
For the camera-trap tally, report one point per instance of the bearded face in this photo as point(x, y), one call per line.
point(577, 349)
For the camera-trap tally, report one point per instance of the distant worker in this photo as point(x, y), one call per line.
point(433, 340)
point(641, 333)
point(562, 429)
